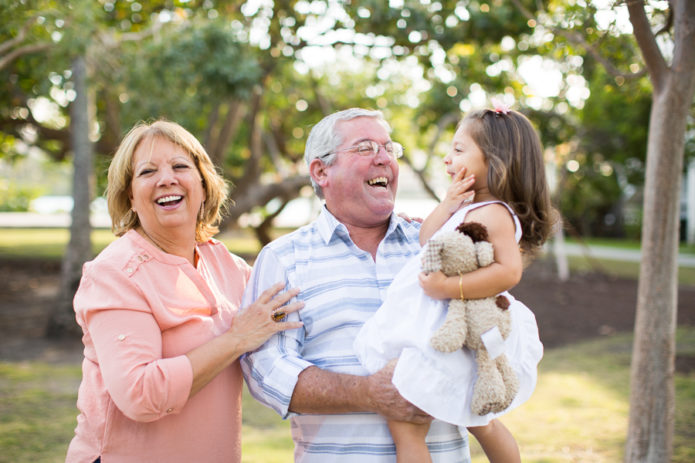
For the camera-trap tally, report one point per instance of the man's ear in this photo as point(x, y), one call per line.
point(318, 172)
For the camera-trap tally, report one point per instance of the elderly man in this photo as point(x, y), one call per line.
point(343, 262)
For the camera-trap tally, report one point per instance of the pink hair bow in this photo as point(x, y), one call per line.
point(499, 106)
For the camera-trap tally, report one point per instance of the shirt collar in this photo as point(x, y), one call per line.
point(328, 225)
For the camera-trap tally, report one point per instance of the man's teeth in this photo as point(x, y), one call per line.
point(383, 181)
point(167, 199)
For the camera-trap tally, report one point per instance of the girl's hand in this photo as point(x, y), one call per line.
point(458, 192)
point(256, 323)
point(409, 219)
point(433, 284)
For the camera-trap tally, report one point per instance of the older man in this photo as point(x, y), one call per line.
point(343, 262)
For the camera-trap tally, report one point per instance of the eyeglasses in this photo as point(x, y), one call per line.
point(371, 148)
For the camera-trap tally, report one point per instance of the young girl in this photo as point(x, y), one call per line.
point(497, 155)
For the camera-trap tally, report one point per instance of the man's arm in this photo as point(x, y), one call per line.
point(325, 392)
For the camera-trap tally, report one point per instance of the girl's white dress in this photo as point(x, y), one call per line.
point(441, 383)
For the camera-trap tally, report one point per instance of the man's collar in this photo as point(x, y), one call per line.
point(328, 225)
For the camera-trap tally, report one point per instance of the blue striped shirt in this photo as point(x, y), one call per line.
point(342, 286)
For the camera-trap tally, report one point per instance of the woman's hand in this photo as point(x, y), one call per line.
point(254, 324)
point(434, 284)
point(250, 328)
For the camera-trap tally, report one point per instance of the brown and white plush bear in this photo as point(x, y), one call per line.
point(454, 253)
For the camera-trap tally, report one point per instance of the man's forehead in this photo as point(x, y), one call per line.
point(362, 127)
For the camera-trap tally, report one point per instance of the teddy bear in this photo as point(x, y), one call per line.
point(468, 322)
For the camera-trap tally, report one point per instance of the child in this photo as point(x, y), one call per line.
point(496, 155)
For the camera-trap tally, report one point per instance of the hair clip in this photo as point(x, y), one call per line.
point(499, 106)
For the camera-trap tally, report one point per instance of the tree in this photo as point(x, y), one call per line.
point(245, 101)
point(454, 28)
point(652, 396)
point(79, 249)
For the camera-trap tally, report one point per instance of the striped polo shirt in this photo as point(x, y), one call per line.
point(342, 286)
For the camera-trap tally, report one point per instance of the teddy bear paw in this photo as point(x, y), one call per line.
point(443, 344)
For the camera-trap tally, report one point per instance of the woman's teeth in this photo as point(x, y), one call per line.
point(169, 199)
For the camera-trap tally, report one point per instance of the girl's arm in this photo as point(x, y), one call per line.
point(456, 194)
point(503, 274)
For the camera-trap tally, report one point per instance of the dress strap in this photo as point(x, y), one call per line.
point(517, 224)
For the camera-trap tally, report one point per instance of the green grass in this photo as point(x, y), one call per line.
point(624, 244)
point(49, 243)
point(37, 411)
point(579, 264)
point(578, 413)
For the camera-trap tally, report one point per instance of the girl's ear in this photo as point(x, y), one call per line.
point(318, 171)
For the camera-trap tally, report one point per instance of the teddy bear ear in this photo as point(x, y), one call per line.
point(475, 230)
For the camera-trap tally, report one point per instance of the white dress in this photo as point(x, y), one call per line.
point(441, 383)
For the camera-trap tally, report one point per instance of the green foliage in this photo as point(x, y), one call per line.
point(611, 151)
point(199, 61)
point(185, 71)
point(15, 197)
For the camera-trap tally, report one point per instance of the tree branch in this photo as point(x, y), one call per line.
point(259, 194)
point(578, 39)
point(20, 36)
point(684, 55)
point(228, 130)
point(21, 51)
point(656, 65)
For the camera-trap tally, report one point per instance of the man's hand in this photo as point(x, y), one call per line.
point(386, 401)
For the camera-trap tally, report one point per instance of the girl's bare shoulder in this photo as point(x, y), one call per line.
point(493, 214)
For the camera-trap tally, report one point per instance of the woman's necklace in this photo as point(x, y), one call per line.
point(151, 240)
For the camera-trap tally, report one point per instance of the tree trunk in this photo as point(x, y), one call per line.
point(260, 194)
point(652, 396)
point(79, 248)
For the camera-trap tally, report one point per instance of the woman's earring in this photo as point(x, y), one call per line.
point(201, 213)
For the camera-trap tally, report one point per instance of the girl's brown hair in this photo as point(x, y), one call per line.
point(516, 171)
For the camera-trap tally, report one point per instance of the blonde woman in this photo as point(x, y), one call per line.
point(159, 309)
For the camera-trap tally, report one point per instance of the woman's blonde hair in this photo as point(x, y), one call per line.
point(120, 176)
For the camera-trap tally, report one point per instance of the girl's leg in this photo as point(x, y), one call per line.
point(497, 442)
point(410, 441)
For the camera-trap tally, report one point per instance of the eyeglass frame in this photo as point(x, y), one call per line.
point(396, 149)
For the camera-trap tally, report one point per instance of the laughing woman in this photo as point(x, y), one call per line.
point(159, 309)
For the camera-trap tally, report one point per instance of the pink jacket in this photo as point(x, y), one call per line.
point(141, 310)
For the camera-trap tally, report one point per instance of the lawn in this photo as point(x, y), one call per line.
point(578, 413)
point(49, 243)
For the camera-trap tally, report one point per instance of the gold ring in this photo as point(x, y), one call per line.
point(277, 315)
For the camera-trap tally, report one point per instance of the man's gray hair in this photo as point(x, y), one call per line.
point(323, 138)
